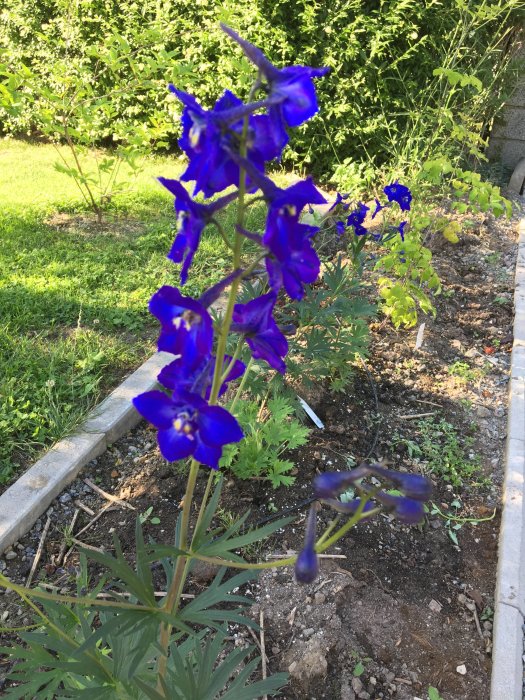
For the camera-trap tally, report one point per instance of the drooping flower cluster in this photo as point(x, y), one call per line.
point(228, 145)
point(405, 500)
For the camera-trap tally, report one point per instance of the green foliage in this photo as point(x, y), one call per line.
point(414, 278)
point(332, 328)
point(70, 108)
point(383, 100)
point(471, 192)
point(445, 453)
point(109, 649)
point(259, 454)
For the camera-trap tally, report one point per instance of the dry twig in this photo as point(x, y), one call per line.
point(417, 415)
point(38, 552)
point(63, 546)
point(107, 496)
point(263, 650)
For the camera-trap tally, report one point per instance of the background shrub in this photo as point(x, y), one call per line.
point(382, 56)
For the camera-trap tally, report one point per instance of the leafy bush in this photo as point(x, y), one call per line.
point(382, 101)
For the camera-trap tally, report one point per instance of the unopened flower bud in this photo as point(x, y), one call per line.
point(307, 564)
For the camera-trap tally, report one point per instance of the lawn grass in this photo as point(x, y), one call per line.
point(73, 296)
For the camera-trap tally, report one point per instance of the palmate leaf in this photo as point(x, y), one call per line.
point(225, 545)
point(200, 610)
point(195, 673)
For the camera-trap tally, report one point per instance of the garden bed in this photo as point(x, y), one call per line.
point(400, 609)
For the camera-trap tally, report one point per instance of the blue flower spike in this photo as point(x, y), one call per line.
point(307, 564)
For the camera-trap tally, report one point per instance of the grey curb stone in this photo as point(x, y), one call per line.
point(116, 415)
point(31, 494)
point(506, 656)
point(507, 663)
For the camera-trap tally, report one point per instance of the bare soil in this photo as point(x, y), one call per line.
point(401, 608)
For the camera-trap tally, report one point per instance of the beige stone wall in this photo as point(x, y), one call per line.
point(507, 140)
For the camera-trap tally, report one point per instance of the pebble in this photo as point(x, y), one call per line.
point(3, 565)
point(65, 498)
point(483, 412)
point(10, 555)
point(4, 615)
point(320, 598)
point(462, 669)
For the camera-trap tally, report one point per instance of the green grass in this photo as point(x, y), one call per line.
point(73, 296)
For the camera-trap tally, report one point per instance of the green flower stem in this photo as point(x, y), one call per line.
point(241, 385)
point(322, 545)
point(179, 577)
point(222, 233)
point(235, 357)
point(328, 530)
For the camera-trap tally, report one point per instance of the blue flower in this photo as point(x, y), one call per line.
point(209, 136)
point(356, 219)
point(293, 85)
point(339, 199)
point(294, 260)
point(196, 375)
point(186, 326)
point(401, 229)
point(187, 425)
point(307, 563)
point(340, 227)
point(192, 218)
point(255, 321)
point(413, 485)
point(400, 194)
point(331, 484)
point(378, 208)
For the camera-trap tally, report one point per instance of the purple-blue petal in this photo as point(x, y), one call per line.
point(218, 427)
point(156, 407)
point(174, 445)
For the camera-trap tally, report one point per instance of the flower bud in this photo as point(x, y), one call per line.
point(331, 484)
point(307, 564)
point(406, 510)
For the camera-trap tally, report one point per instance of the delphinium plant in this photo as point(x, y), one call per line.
point(134, 645)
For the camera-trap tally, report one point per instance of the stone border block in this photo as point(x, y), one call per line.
point(509, 609)
point(506, 683)
point(31, 494)
point(116, 414)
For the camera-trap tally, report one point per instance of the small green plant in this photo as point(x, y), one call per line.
point(464, 372)
point(444, 453)
point(453, 521)
point(260, 453)
point(146, 517)
point(493, 258)
point(332, 328)
point(433, 694)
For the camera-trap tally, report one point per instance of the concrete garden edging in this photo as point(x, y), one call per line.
point(33, 492)
point(509, 609)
